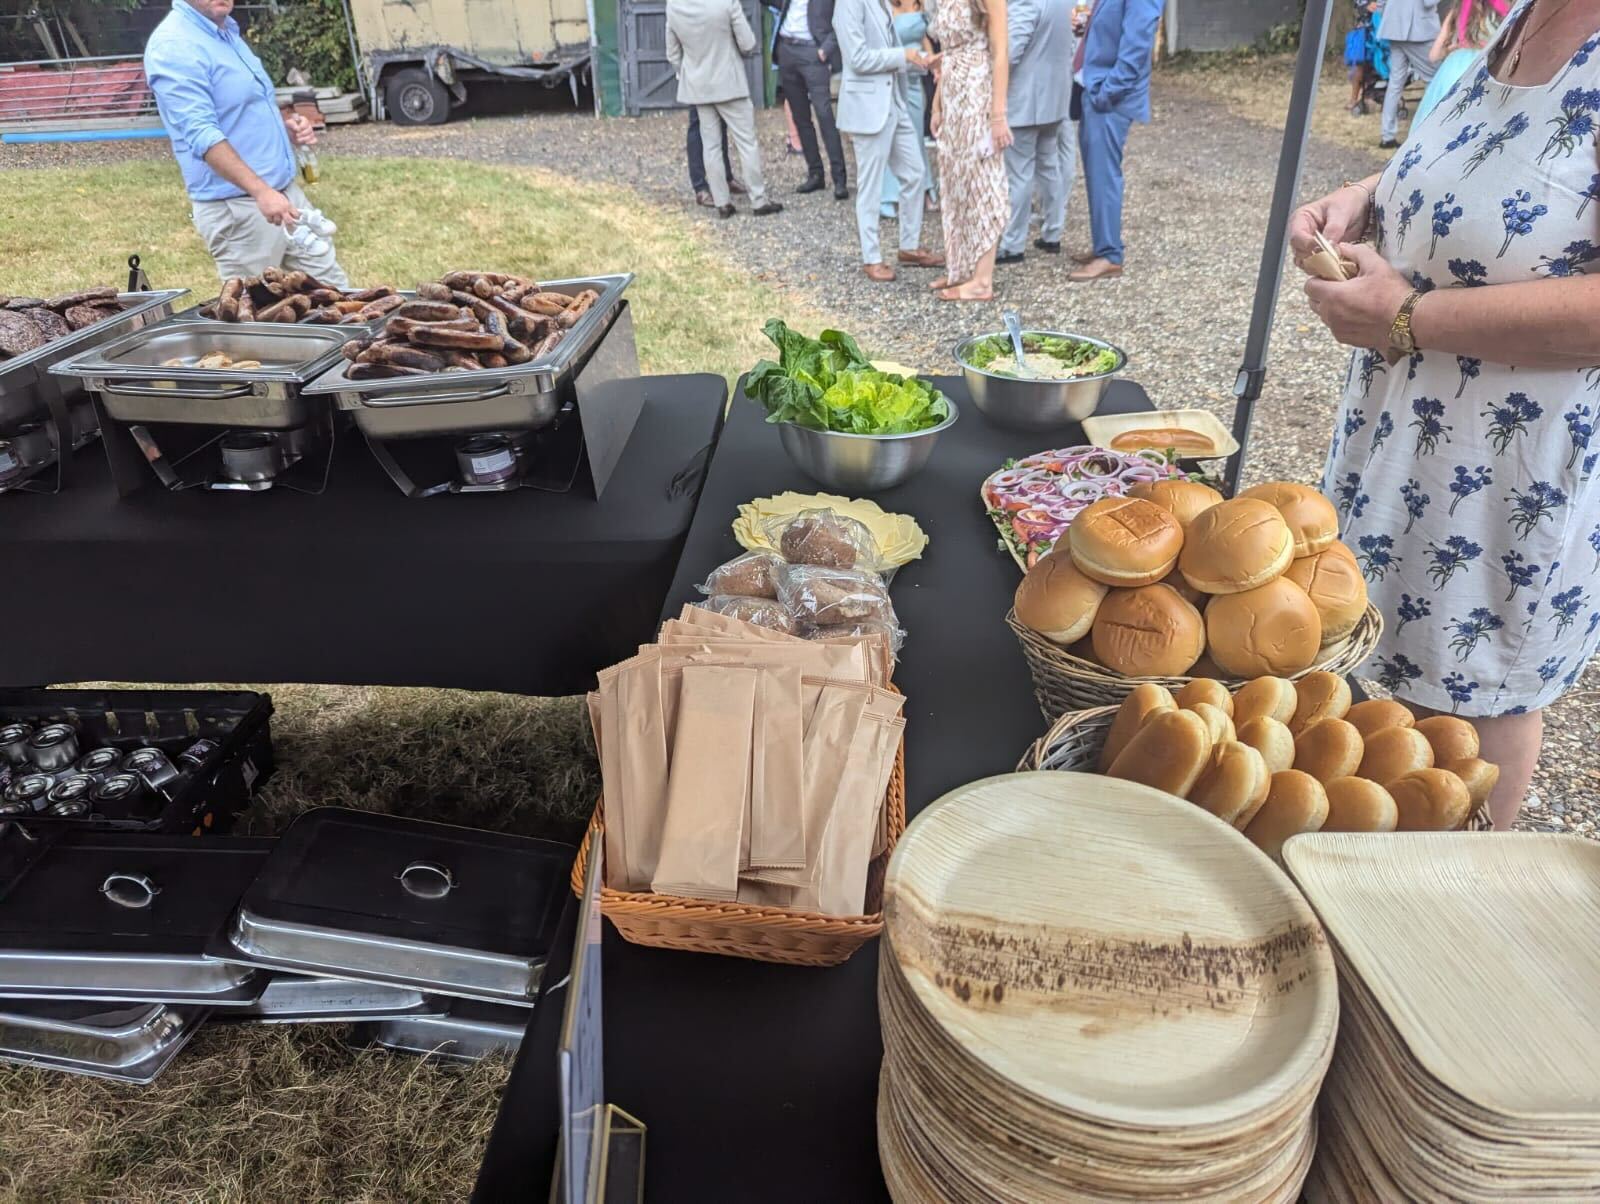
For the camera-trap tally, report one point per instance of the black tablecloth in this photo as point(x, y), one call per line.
point(759, 1082)
point(528, 592)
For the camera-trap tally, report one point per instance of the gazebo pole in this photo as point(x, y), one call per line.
point(1291, 160)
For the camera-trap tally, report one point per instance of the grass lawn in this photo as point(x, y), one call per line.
point(289, 1113)
point(401, 221)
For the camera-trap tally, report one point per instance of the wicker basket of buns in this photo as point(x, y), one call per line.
point(1171, 583)
point(767, 934)
point(1275, 758)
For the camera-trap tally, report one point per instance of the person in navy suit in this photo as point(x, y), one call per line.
point(1112, 69)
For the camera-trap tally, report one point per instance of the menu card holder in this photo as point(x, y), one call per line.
point(600, 1159)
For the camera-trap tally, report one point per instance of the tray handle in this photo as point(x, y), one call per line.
point(427, 879)
point(132, 891)
point(133, 390)
point(411, 399)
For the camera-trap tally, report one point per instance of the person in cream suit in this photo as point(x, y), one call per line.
point(1041, 45)
point(873, 111)
point(707, 43)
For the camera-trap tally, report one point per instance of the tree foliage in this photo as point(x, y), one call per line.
point(310, 35)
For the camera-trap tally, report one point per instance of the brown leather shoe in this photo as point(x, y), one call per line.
point(1096, 269)
point(922, 259)
point(880, 272)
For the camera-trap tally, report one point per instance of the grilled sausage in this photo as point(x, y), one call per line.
point(349, 307)
point(549, 344)
point(517, 353)
point(429, 311)
point(353, 349)
point(476, 304)
point(361, 371)
point(461, 360)
point(325, 296)
point(297, 282)
point(432, 290)
point(401, 356)
point(271, 274)
point(580, 306)
point(209, 310)
point(492, 359)
point(376, 309)
point(247, 306)
point(370, 294)
point(401, 328)
point(548, 304)
point(457, 340)
point(518, 321)
point(323, 315)
point(495, 324)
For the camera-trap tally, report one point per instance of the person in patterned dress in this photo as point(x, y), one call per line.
point(1463, 460)
point(969, 120)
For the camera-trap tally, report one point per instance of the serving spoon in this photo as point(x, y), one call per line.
point(1014, 329)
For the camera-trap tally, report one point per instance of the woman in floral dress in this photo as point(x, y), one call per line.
point(1463, 471)
point(969, 120)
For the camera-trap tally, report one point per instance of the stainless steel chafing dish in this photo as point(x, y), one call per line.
point(523, 397)
point(136, 383)
point(128, 1042)
point(21, 399)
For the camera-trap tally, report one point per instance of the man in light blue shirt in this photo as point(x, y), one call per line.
point(234, 147)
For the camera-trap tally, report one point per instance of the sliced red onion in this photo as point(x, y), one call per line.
point(1148, 456)
point(1115, 488)
point(1082, 492)
point(1136, 474)
point(1101, 464)
point(1009, 477)
point(1062, 511)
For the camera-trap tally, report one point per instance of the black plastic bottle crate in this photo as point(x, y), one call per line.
point(209, 800)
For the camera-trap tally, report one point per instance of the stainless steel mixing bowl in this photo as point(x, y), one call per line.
point(1035, 405)
point(861, 463)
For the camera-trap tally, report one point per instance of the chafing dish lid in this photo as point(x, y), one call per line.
point(301, 999)
point(374, 897)
point(285, 352)
point(128, 1041)
point(117, 914)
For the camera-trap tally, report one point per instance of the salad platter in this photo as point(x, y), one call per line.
point(1033, 500)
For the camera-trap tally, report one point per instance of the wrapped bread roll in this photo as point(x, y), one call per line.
point(1319, 695)
point(824, 538)
point(1375, 714)
point(1271, 739)
point(1233, 784)
point(763, 612)
point(1394, 752)
point(752, 575)
point(1206, 689)
point(1328, 749)
point(1296, 802)
point(1430, 800)
point(1169, 753)
point(1144, 700)
point(1357, 805)
point(820, 597)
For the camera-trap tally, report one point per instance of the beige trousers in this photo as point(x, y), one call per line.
point(243, 242)
point(740, 118)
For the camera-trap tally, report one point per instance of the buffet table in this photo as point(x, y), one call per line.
point(530, 593)
point(760, 1080)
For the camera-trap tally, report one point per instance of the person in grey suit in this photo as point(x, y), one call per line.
point(1041, 46)
point(873, 111)
point(1409, 26)
point(707, 43)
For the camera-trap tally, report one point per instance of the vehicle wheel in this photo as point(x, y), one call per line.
point(415, 97)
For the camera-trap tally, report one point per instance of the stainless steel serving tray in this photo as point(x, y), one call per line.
point(467, 1033)
point(20, 399)
point(447, 910)
point(192, 314)
point(128, 1042)
point(520, 397)
point(300, 999)
point(135, 385)
point(124, 916)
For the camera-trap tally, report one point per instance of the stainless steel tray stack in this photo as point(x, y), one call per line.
point(41, 413)
point(115, 947)
point(237, 429)
point(500, 429)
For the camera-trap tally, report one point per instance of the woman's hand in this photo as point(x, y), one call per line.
point(936, 116)
point(1360, 312)
point(1001, 132)
point(1340, 217)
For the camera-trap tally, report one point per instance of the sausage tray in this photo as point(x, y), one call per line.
point(520, 397)
point(135, 384)
point(22, 399)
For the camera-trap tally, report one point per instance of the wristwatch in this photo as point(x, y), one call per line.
point(1400, 337)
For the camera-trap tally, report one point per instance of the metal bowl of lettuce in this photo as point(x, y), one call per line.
point(1061, 381)
point(847, 425)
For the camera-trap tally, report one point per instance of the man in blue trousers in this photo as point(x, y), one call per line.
point(1112, 67)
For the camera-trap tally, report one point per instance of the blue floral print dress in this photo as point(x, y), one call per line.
point(1468, 490)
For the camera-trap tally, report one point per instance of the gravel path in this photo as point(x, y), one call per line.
point(1199, 181)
